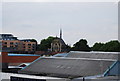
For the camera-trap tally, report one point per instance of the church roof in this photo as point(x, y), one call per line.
point(59, 40)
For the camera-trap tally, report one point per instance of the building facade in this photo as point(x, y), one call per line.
point(28, 46)
point(58, 45)
point(9, 43)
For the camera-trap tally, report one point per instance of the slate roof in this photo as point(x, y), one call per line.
point(95, 55)
point(67, 67)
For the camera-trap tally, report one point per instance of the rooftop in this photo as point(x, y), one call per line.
point(95, 55)
point(11, 54)
point(70, 67)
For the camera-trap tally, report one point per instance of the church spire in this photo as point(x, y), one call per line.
point(60, 33)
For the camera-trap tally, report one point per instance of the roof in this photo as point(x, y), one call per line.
point(95, 55)
point(10, 54)
point(60, 55)
point(99, 78)
point(9, 75)
point(110, 78)
point(59, 40)
point(67, 67)
point(6, 35)
point(27, 40)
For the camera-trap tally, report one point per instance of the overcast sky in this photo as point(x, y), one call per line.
point(93, 21)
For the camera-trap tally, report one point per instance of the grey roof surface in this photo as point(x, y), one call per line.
point(67, 67)
point(110, 77)
point(95, 55)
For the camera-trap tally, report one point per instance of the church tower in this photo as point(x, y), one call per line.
point(60, 33)
point(58, 45)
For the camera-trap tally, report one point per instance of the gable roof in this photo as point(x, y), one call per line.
point(67, 67)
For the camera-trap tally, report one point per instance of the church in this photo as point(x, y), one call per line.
point(58, 45)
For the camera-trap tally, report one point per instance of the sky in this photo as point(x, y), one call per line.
point(93, 21)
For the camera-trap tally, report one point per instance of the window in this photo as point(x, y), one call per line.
point(5, 42)
point(11, 42)
point(11, 46)
point(29, 49)
point(16, 43)
point(34, 44)
point(4, 46)
point(29, 44)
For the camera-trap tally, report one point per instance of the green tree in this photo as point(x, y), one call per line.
point(97, 46)
point(45, 44)
point(81, 45)
point(33, 40)
point(68, 48)
point(111, 46)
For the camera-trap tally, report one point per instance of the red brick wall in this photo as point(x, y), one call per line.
point(17, 59)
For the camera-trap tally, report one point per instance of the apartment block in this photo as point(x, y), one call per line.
point(9, 43)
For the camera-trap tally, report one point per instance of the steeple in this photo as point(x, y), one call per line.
point(60, 33)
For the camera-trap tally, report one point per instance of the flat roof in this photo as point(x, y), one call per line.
point(99, 52)
point(95, 55)
point(11, 54)
point(8, 75)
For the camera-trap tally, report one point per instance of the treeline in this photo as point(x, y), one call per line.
point(45, 44)
point(82, 45)
point(111, 46)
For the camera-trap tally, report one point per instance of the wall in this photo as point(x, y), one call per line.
point(17, 59)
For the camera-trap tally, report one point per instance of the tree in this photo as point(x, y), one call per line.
point(45, 44)
point(97, 46)
point(111, 46)
point(81, 45)
point(33, 40)
point(68, 48)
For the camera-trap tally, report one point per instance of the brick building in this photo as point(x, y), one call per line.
point(9, 43)
point(28, 46)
